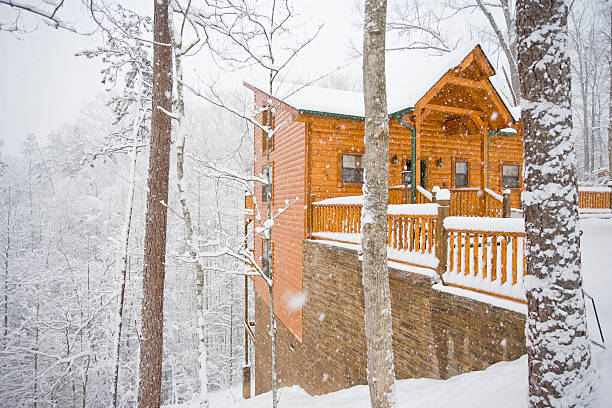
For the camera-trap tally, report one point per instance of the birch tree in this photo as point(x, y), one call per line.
point(179, 49)
point(151, 346)
point(558, 348)
point(260, 35)
point(378, 324)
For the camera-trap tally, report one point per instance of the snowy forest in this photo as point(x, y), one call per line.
point(124, 224)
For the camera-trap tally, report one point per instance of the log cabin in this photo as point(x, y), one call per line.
point(450, 125)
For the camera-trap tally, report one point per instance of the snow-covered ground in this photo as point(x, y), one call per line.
point(501, 385)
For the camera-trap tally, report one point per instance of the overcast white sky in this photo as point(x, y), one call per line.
point(44, 86)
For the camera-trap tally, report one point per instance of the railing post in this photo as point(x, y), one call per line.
point(507, 205)
point(310, 216)
point(610, 196)
point(443, 199)
point(434, 194)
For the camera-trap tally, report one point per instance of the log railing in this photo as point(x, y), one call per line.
point(414, 233)
point(466, 202)
point(412, 229)
point(485, 255)
point(491, 262)
point(341, 218)
point(594, 197)
point(494, 204)
point(397, 195)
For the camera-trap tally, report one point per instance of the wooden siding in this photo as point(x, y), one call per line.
point(289, 181)
point(330, 138)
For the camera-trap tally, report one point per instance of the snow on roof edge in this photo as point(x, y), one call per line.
point(312, 99)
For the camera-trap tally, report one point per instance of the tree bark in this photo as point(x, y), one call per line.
point(610, 108)
point(378, 325)
point(124, 249)
point(151, 346)
point(557, 344)
point(190, 240)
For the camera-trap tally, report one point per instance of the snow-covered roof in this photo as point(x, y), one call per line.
point(410, 74)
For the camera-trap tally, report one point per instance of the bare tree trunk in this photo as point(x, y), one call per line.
point(585, 122)
point(36, 339)
point(610, 107)
point(378, 325)
point(507, 45)
point(124, 259)
point(151, 346)
point(594, 125)
point(189, 235)
point(7, 249)
point(557, 344)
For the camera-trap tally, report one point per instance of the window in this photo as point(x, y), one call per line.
point(266, 256)
point(352, 168)
point(266, 189)
point(510, 176)
point(461, 174)
point(267, 119)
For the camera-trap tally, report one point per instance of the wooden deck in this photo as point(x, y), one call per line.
point(484, 254)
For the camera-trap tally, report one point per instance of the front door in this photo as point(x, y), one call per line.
point(424, 174)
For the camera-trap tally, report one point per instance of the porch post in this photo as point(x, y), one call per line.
point(483, 168)
point(506, 206)
point(416, 161)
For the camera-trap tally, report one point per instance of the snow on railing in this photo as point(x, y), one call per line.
point(466, 201)
point(596, 197)
point(411, 229)
point(425, 193)
point(481, 254)
point(493, 194)
point(486, 255)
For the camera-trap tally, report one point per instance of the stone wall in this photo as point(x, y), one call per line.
point(435, 334)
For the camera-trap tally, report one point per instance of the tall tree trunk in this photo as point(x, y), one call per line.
point(378, 325)
point(124, 242)
point(610, 108)
point(190, 240)
point(151, 346)
point(585, 123)
point(7, 249)
point(593, 125)
point(557, 344)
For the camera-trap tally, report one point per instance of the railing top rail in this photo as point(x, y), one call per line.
point(336, 205)
point(427, 216)
point(495, 195)
point(486, 225)
point(426, 193)
point(594, 189)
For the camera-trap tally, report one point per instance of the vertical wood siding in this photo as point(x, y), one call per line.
point(289, 181)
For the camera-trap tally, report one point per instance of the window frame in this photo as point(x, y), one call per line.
point(263, 134)
point(519, 178)
point(267, 261)
point(354, 154)
point(264, 187)
point(467, 174)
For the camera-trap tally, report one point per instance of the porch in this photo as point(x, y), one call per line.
point(450, 236)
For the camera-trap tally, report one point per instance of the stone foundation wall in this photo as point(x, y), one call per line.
point(435, 334)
